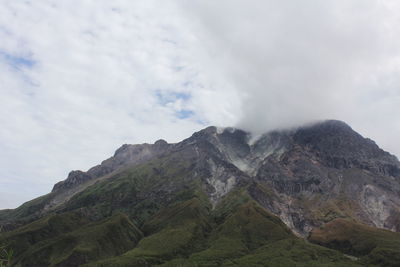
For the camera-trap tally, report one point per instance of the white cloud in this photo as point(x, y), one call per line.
point(89, 86)
point(80, 78)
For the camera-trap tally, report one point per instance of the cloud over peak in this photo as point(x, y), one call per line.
point(80, 78)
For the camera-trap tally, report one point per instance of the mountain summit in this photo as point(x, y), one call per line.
point(221, 198)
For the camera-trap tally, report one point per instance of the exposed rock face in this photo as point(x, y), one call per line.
point(314, 173)
point(74, 178)
point(126, 155)
point(306, 176)
point(338, 146)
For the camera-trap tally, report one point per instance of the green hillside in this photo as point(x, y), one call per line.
point(374, 246)
point(187, 232)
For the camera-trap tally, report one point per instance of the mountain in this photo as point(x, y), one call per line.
point(317, 195)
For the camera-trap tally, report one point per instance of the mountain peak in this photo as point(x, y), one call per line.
point(333, 124)
point(160, 142)
point(298, 178)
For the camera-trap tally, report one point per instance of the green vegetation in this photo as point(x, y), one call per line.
point(157, 215)
point(374, 246)
point(6, 256)
point(53, 240)
point(51, 226)
point(27, 212)
point(139, 192)
point(238, 232)
point(174, 232)
point(293, 252)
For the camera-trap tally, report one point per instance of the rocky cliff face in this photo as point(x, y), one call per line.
point(314, 174)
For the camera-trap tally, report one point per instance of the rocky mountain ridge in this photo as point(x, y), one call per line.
point(126, 155)
point(307, 177)
point(305, 162)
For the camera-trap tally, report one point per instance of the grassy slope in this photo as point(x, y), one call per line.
point(23, 238)
point(237, 233)
point(293, 252)
point(91, 241)
point(374, 246)
point(139, 192)
point(173, 232)
point(250, 236)
point(179, 226)
point(25, 213)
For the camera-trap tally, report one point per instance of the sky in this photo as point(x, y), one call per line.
point(79, 78)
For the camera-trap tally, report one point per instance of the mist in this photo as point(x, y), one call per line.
point(297, 62)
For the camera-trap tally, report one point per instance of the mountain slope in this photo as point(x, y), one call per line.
point(42, 244)
point(219, 197)
point(374, 246)
point(191, 236)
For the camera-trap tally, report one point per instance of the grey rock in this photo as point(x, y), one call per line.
point(74, 178)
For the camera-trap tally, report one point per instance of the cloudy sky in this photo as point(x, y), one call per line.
point(79, 78)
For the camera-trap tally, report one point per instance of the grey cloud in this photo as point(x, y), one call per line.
point(295, 62)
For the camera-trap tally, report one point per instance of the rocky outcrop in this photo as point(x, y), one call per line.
point(74, 179)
